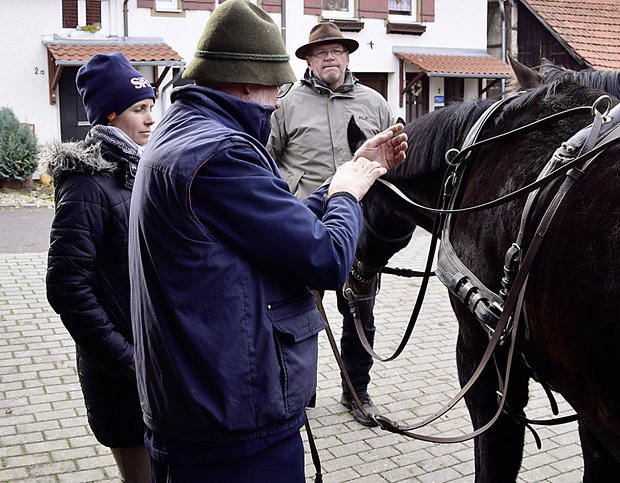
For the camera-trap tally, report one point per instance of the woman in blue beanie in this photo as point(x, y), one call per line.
point(87, 275)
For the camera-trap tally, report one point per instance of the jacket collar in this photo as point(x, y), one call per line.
point(311, 80)
point(249, 117)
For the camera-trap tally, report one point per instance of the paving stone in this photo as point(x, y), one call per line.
point(13, 474)
point(47, 424)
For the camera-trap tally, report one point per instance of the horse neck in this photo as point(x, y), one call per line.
point(421, 176)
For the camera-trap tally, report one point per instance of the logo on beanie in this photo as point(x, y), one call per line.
point(140, 82)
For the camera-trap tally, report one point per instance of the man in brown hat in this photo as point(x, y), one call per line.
point(222, 259)
point(309, 142)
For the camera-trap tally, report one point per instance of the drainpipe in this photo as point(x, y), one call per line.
point(125, 27)
point(283, 20)
point(503, 25)
point(170, 84)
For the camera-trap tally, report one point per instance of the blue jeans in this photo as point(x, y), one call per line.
point(357, 360)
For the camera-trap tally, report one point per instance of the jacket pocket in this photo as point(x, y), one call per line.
point(292, 176)
point(296, 327)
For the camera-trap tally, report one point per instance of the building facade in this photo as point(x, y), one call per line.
point(420, 54)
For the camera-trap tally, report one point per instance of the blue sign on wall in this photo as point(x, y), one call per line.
point(438, 99)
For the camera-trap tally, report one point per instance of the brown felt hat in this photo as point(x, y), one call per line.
point(325, 33)
point(240, 44)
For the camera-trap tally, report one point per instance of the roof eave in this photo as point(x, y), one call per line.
point(556, 36)
point(468, 76)
point(148, 63)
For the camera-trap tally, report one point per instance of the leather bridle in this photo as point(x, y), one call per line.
point(567, 161)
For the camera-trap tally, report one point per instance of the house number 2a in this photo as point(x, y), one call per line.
point(38, 71)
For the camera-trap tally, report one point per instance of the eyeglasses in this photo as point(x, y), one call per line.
point(283, 89)
point(322, 54)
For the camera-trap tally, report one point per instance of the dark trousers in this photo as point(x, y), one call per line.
point(356, 359)
point(282, 462)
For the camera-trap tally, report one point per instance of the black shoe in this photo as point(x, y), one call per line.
point(349, 403)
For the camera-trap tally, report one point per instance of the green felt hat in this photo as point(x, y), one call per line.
point(240, 44)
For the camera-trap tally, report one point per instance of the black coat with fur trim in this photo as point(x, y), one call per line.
point(88, 281)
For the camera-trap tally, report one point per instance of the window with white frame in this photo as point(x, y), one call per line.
point(403, 10)
point(338, 8)
point(76, 13)
point(399, 7)
point(168, 5)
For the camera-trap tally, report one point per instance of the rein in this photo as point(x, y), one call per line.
point(591, 143)
point(521, 191)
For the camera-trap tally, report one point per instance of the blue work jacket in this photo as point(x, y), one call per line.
point(222, 260)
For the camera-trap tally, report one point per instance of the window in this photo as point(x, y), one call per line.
point(338, 8)
point(403, 11)
point(399, 7)
point(69, 14)
point(167, 5)
point(93, 12)
point(77, 13)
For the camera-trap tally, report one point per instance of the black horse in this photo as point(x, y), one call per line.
point(570, 337)
point(547, 72)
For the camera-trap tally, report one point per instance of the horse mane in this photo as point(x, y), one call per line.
point(449, 126)
point(442, 127)
point(607, 80)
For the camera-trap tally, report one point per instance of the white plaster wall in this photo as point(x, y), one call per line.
point(23, 55)
point(458, 24)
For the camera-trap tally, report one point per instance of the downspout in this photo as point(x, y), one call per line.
point(503, 26)
point(125, 26)
point(170, 84)
point(283, 20)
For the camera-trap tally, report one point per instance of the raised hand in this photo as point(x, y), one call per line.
point(388, 148)
point(356, 177)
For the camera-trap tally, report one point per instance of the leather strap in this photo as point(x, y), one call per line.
point(318, 476)
point(339, 360)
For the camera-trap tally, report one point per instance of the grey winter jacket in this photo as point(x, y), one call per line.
point(309, 132)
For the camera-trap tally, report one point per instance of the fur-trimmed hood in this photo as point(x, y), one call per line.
point(72, 158)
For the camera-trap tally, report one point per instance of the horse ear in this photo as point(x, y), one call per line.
point(355, 136)
point(400, 120)
point(526, 77)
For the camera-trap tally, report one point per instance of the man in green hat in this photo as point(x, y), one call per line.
point(223, 259)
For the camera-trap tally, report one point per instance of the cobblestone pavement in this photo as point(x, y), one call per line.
point(44, 436)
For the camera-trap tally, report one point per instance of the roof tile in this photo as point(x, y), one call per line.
point(82, 52)
point(589, 27)
point(473, 65)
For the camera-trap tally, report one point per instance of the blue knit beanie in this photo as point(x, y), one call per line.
point(108, 85)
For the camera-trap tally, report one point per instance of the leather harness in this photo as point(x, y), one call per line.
point(499, 314)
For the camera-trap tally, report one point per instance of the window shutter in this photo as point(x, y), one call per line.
point(93, 12)
point(427, 11)
point(272, 6)
point(69, 14)
point(146, 3)
point(373, 8)
point(199, 5)
point(312, 7)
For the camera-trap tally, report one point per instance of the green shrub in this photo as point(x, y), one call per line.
point(18, 148)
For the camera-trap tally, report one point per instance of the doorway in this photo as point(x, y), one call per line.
point(74, 124)
point(374, 80)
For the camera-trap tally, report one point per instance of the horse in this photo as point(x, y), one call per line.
point(571, 298)
point(547, 72)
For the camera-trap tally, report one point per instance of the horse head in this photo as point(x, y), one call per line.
point(548, 72)
point(389, 220)
point(381, 237)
